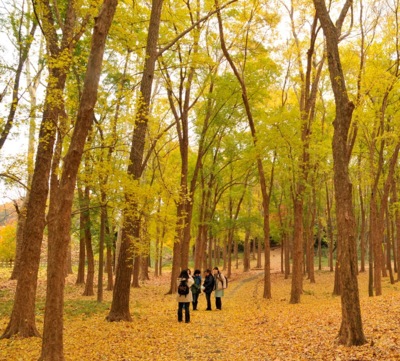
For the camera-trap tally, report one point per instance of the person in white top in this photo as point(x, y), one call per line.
point(220, 285)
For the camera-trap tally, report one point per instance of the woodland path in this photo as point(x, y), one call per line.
point(249, 327)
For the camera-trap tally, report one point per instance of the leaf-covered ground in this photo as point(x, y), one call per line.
point(248, 328)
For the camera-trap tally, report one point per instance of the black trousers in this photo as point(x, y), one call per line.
point(195, 300)
point(185, 305)
point(208, 298)
point(218, 303)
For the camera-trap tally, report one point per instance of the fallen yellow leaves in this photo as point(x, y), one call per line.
point(248, 328)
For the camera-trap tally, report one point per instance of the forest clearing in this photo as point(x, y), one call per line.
point(249, 327)
point(141, 138)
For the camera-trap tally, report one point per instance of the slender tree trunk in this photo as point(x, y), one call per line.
point(136, 271)
point(260, 167)
point(389, 247)
point(330, 229)
point(110, 279)
point(60, 218)
point(32, 88)
point(22, 319)
point(246, 254)
point(235, 253)
point(287, 256)
point(394, 247)
point(102, 237)
point(120, 303)
point(259, 251)
point(89, 285)
point(319, 244)
point(82, 256)
point(297, 267)
point(376, 240)
point(351, 330)
point(397, 223)
point(362, 230)
point(19, 237)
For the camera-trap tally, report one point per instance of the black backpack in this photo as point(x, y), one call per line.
point(183, 288)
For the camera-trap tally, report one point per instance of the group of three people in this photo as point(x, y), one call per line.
point(214, 281)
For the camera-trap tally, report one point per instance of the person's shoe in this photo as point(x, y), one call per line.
point(208, 309)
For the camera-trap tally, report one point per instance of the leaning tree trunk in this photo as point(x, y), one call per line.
point(351, 330)
point(60, 219)
point(265, 192)
point(22, 319)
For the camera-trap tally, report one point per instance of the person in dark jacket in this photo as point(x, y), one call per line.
point(196, 288)
point(184, 299)
point(208, 287)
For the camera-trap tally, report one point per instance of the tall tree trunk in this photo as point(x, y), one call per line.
point(351, 330)
point(330, 228)
point(60, 219)
point(19, 237)
point(22, 319)
point(287, 256)
point(362, 230)
point(259, 251)
point(389, 246)
point(80, 279)
point(32, 88)
point(319, 238)
point(260, 167)
point(308, 94)
point(137, 260)
point(246, 254)
point(397, 223)
point(376, 241)
point(102, 239)
point(89, 285)
point(297, 267)
point(120, 303)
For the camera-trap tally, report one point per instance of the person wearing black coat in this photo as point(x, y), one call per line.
point(208, 287)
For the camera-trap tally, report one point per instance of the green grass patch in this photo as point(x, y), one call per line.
point(85, 308)
point(5, 307)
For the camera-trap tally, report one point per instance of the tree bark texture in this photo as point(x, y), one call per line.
point(131, 227)
point(19, 238)
point(60, 220)
point(22, 319)
point(351, 330)
point(297, 267)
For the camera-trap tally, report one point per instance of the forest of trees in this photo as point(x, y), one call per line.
point(184, 130)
